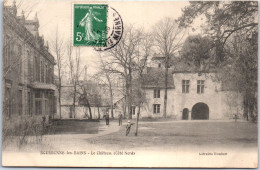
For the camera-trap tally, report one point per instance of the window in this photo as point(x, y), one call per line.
point(29, 104)
point(200, 86)
point(54, 104)
point(20, 102)
point(37, 68)
point(8, 104)
point(45, 74)
point(41, 72)
point(19, 51)
point(7, 50)
point(156, 108)
point(159, 65)
point(19, 56)
point(38, 94)
point(185, 86)
point(133, 110)
point(156, 93)
point(49, 74)
point(38, 107)
point(29, 65)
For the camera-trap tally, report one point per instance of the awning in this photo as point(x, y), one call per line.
point(44, 86)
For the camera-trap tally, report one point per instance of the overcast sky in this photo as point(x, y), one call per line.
point(53, 14)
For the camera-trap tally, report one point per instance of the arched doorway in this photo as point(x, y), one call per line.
point(185, 114)
point(200, 111)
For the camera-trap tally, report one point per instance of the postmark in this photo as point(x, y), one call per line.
point(115, 29)
point(90, 25)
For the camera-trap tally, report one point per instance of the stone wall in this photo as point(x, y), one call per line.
point(221, 104)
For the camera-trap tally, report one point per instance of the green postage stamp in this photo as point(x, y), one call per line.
point(90, 25)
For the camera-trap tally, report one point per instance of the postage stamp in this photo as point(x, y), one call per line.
point(90, 25)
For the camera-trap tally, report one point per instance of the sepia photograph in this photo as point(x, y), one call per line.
point(148, 84)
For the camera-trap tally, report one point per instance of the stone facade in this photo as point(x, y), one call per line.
point(181, 104)
point(195, 95)
point(28, 67)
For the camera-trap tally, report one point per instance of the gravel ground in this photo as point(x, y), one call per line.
point(151, 135)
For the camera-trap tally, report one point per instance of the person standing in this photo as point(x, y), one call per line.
point(107, 118)
point(120, 119)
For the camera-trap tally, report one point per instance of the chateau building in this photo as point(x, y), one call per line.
point(192, 94)
point(28, 67)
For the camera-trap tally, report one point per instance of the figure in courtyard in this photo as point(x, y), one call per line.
point(120, 119)
point(235, 116)
point(107, 118)
point(87, 22)
point(128, 127)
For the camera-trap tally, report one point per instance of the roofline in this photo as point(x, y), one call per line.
point(152, 87)
point(173, 72)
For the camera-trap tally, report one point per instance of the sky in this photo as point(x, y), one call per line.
point(57, 15)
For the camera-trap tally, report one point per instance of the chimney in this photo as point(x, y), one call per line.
point(14, 8)
point(47, 45)
point(23, 17)
point(33, 25)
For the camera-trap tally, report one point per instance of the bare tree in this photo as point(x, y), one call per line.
point(74, 71)
point(122, 60)
point(90, 95)
point(104, 66)
point(145, 48)
point(57, 48)
point(84, 93)
point(168, 39)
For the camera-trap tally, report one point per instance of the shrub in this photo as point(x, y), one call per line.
point(19, 129)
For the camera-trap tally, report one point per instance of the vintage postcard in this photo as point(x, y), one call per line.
point(161, 84)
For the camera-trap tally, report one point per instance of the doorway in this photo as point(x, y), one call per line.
point(185, 114)
point(200, 111)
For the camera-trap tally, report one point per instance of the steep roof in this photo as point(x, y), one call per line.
point(155, 78)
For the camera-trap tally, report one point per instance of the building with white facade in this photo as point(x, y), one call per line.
point(192, 95)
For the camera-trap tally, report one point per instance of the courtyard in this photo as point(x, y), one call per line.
point(182, 133)
point(154, 135)
point(166, 141)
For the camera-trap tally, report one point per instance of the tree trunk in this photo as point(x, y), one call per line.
point(137, 120)
point(90, 113)
point(111, 106)
point(111, 96)
point(98, 113)
point(129, 111)
point(124, 109)
point(128, 102)
point(59, 89)
point(74, 101)
point(85, 111)
point(130, 94)
point(166, 88)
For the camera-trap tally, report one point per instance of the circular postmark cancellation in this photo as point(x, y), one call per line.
point(115, 30)
point(96, 25)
